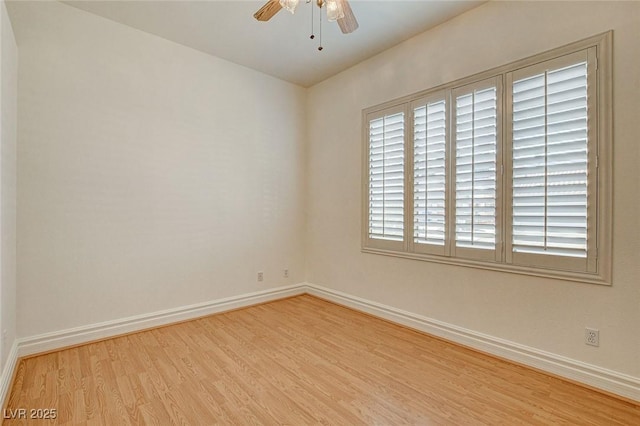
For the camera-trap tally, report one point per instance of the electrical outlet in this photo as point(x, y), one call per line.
point(260, 276)
point(286, 273)
point(592, 336)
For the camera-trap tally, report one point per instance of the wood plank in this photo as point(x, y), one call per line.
point(267, 11)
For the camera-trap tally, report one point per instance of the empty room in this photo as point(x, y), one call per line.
point(320, 212)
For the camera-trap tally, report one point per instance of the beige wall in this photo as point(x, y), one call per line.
point(150, 175)
point(546, 314)
point(8, 120)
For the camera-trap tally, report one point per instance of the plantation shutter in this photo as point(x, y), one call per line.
point(508, 170)
point(429, 175)
point(386, 178)
point(476, 148)
point(550, 191)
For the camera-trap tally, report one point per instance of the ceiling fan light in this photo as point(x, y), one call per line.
point(289, 5)
point(334, 10)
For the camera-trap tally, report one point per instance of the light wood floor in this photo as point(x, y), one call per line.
point(297, 361)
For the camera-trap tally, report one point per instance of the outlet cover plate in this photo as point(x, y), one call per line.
point(592, 336)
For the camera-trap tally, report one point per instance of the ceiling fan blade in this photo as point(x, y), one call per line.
point(348, 24)
point(267, 11)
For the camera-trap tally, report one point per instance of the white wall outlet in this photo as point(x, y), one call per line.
point(286, 273)
point(260, 276)
point(592, 336)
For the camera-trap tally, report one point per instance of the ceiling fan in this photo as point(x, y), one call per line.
point(337, 10)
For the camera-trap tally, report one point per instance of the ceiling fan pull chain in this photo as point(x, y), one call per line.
point(320, 31)
point(312, 35)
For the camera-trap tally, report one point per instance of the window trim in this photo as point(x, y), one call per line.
point(603, 129)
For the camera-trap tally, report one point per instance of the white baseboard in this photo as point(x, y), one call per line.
point(601, 378)
point(78, 335)
point(7, 373)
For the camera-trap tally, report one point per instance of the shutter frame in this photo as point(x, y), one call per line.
point(495, 254)
point(424, 247)
point(551, 261)
point(368, 241)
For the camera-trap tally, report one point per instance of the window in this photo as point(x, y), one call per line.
point(550, 169)
point(506, 170)
point(475, 160)
point(386, 178)
point(429, 174)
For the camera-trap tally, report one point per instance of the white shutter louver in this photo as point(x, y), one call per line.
point(475, 170)
point(429, 130)
point(386, 177)
point(550, 162)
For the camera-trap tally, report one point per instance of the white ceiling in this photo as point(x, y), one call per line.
point(280, 47)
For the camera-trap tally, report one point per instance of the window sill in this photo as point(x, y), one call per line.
point(500, 267)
